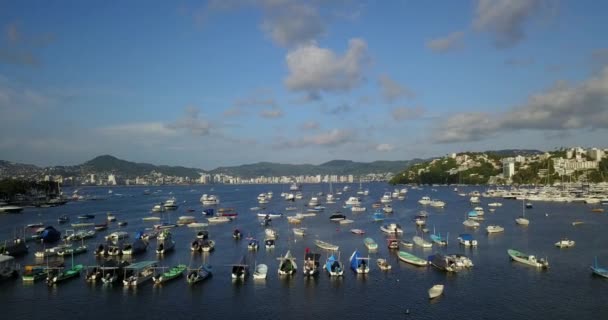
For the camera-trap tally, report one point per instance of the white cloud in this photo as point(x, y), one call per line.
point(271, 113)
point(150, 130)
point(313, 69)
point(310, 125)
point(505, 19)
point(450, 42)
point(392, 90)
point(405, 113)
point(332, 138)
point(289, 23)
point(191, 123)
point(385, 147)
point(560, 108)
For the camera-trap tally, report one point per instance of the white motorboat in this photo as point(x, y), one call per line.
point(435, 291)
point(158, 208)
point(421, 242)
point(467, 240)
point(391, 228)
point(565, 243)
point(116, 236)
point(271, 233)
point(474, 199)
point(299, 231)
point(260, 271)
point(326, 245)
point(495, 229)
point(471, 223)
point(210, 200)
point(219, 219)
point(386, 198)
point(171, 204)
point(353, 201)
point(425, 200)
point(437, 203)
point(495, 204)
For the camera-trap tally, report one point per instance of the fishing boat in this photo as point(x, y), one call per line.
point(333, 266)
point(253, 244)
point(71, 250)
point(299, 231)
point(450, 262)
point(113, 272)
point(435, 291)
point(565, 243)
point(528, 259)
point(58, 275)
point(35, 272)
point(326, 245)
point(391, 228)
point(171, 274)
point(287, 264)
point(467, 240)
point(140, 272)
point(438, 239)
point(139, 245)
point(392, 243)
point(495, 229)
point(199, 274)
point(370, 244)
point(419, 241)
point(383, 264)
point(407, 243)
point(165, 242)
point(269, 243)
point(311, 264)
point(80, 235)
point(358, 263)
point(50, 252)
point(357, 231)
point(260, 272)
point(412, 259)
point(116, 236)
point(219, 219)
point(97, 227)
point(269, 215)
point(598, 270)
point(240, 269)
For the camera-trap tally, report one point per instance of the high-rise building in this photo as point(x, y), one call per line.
point(508, 167)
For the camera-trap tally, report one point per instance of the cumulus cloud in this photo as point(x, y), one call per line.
point(448, 43)
point(505, 19)
point(271, 113)
point(560, 108)
point(142, 129)
point(405, 113)
point(313, 69)
point(392, 90)
point(191, 123)
point(521, 62)
point(289, 23)
point(310, 125)
point(330, 138)
point(385, 147)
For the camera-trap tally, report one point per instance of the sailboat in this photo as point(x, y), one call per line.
point(287, 264)
point(240, 269)
point(333, 266)
point(522, 221)
point(329, 198)
point(359, 264)
point(438, 239)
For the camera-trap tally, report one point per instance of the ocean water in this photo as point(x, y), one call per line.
point(495, 288)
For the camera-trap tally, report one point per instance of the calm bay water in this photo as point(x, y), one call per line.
point(495, 288)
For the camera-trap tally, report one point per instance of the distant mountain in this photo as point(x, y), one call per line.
point(337, 167)
point(107, 163)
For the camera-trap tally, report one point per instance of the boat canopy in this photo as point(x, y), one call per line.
point(466, 237)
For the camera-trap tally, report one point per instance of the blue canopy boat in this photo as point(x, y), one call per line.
point(358, 263)
point(597, 270)
point(333, 266)
point(50, 235)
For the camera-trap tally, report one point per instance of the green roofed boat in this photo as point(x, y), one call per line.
point(173, 273)
point(528, 259)
point(412, 259)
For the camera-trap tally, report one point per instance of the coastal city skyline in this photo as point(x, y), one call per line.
point(222, 83)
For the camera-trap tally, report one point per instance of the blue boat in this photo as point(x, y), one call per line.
point(597, 270)
point(208, 212)
point(467, 240)
point(50, 235)
point(334, 267)
point(378, 216)
point(358, 263)
point(438, 239)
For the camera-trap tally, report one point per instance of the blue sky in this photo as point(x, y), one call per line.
point(216, 83)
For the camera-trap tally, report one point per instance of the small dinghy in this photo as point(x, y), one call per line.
point(435, 291)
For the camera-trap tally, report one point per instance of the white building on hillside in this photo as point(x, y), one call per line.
point(508, 167)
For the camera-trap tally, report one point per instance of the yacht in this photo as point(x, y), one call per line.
point(425, 200)
point(171, 204)
point(209, 200)
point(386, 198)
point(353, 201)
